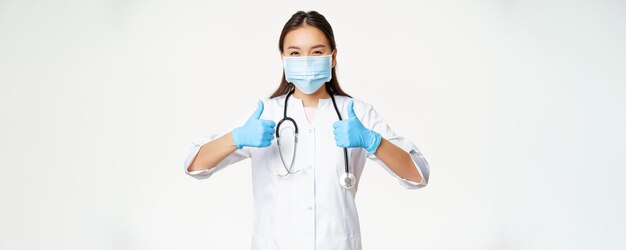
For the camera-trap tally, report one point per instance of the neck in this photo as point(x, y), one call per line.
point(311, 100)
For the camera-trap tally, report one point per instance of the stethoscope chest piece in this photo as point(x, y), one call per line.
point(347, 180)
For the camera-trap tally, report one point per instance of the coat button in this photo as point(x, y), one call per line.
point(309, 208)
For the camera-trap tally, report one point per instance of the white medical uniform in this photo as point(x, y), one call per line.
point(309, 210)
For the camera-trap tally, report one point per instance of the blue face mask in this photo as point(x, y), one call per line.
point(308, 73)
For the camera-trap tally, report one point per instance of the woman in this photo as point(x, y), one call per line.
point(303, 192)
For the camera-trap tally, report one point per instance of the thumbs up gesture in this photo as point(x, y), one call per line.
point(351, 133)
point(256, 132)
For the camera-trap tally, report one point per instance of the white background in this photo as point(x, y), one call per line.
point(518, 106)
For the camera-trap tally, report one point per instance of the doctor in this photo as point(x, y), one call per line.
point(300, 200)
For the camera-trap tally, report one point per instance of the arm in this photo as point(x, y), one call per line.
point(397, 160)
point(254, 133)
point(213, 152)
point(397, 155)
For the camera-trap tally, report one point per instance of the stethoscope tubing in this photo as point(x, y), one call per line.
point(286, 118)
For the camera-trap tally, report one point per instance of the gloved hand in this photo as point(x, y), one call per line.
point(351, 133)
point(256, 132)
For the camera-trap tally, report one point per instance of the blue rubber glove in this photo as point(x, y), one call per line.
point(256, 132)
point(350, 133)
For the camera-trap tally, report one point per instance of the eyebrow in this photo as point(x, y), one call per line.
point(314, 47)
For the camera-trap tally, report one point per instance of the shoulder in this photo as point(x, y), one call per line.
point(278, 101)
point(360, 106)
point(270, 105)
point(363, 109)
point(279, 98)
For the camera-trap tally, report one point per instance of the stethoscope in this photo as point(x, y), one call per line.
point(347, 179)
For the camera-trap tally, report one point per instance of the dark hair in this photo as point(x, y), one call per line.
point(317, 20)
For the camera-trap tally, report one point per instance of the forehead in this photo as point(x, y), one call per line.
point(305, 37)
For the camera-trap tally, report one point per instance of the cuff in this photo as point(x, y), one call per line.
point(376, 139)
point(422, 168)
point(195, 147)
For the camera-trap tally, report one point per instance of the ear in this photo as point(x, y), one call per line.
point(335, 57)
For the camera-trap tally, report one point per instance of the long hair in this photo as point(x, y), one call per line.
point(317, 20)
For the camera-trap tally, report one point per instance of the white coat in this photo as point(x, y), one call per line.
point(309, 210)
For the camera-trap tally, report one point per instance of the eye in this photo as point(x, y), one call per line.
point(320, 53)
point(293, 53)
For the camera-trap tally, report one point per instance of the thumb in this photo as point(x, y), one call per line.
point(351, 109)
point(258, 112)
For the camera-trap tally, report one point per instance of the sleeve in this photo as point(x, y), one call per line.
point(373, 121)
point(234, 157)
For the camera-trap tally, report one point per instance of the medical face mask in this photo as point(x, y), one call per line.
point(308, 73)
